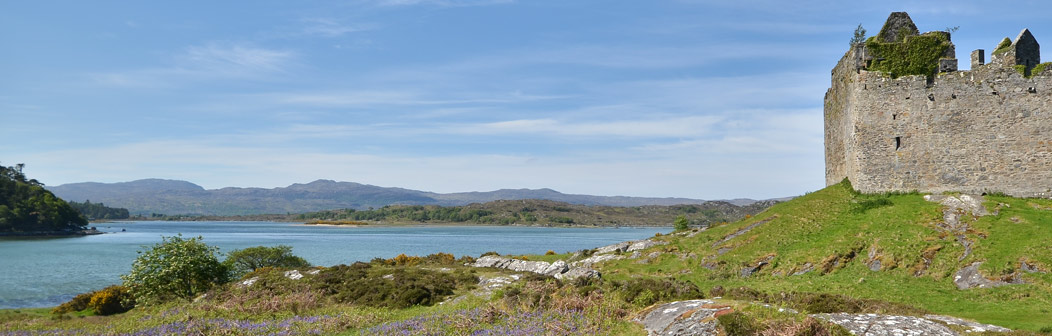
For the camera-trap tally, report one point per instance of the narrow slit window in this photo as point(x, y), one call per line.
point(898, 142)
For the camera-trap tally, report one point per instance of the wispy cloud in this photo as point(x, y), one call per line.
point(444, 3)
point(205, 62)
point(239, 58)
point(332, 28)
point(670, 127)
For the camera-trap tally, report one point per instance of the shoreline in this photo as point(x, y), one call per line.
point(80, 233)
point(483, 224)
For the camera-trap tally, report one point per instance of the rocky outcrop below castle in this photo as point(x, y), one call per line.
point(699, 318)
point(579, 266)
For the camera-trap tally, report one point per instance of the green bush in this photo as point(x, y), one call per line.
point(736, 323)
point(681, 223)
point(823, 302)
point(111, 300)
point(175, 268)
point(393, 287)
point(78, 303)
point(648, 291)
point(244, 261)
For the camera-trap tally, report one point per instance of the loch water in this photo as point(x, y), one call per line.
point(41, 272)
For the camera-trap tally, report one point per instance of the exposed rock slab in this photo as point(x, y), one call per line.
point(691, 317)
point(613, 248)
point(539, 267)
point(698, 317)
point(578, 272)
point(595, 259)
point(954, 208)
point(971, 325)
point(970, 277)
point(887, 325)
point(644, 244)
point(558, 269)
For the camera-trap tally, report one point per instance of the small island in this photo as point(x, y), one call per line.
point(27, 209)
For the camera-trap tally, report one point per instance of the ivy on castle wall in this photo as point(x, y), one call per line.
point(916, 55)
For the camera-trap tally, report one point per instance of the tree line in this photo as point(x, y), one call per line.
point(99, 210)
point(25, 206)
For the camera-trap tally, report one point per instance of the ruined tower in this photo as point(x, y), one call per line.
point(900, 117)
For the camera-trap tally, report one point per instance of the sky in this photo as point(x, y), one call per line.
point(687, 98)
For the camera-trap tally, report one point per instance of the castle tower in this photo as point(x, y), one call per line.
point(902, 120)
point(898, 26)
point(1023, 51)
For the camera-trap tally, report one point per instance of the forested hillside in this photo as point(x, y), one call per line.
point(25, 206)
point(546, 213)
point(99, 210)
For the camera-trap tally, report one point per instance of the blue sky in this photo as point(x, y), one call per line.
point(700, 99)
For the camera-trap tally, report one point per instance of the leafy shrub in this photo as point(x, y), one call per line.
point(404, 260)
point(244, 261)
point(393, 287)
point(681, 223)
point(550, 252)
point(490, 253)
point(111, 300)
point(736, 323)
point(465, 259)
point(536, 292)
point(717, 291)
point(440, 259)
point(271, 292)
point(175, 268)
point(647, 291)
point(78, 303)
point(823, 302)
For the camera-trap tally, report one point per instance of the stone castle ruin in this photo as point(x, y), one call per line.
point(899, 116)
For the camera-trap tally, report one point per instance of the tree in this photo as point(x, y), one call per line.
point(860, 35)
point(241, 262)
point(681, 223)
point(25, 206)
point(175, 268)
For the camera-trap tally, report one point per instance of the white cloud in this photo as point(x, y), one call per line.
point(331, 28)
point(212, 57)
point(212, 61)
point(668, 127)
point(444, 3)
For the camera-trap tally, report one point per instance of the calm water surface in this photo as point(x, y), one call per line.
point(46, 272)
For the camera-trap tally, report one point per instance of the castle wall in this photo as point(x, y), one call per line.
point(985, 130)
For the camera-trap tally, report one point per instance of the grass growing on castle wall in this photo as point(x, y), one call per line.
point(835, 229)
point(1035, 71)
point(916, 55)
point(1005, 44)
point(1041, 68)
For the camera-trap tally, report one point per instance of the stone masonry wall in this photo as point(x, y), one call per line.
point(985, 130)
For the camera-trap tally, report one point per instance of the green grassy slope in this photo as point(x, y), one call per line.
point(836, 231)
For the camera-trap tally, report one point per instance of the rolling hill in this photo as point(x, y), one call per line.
point(180, 197)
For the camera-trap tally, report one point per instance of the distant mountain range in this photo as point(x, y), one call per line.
point(173, 197)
